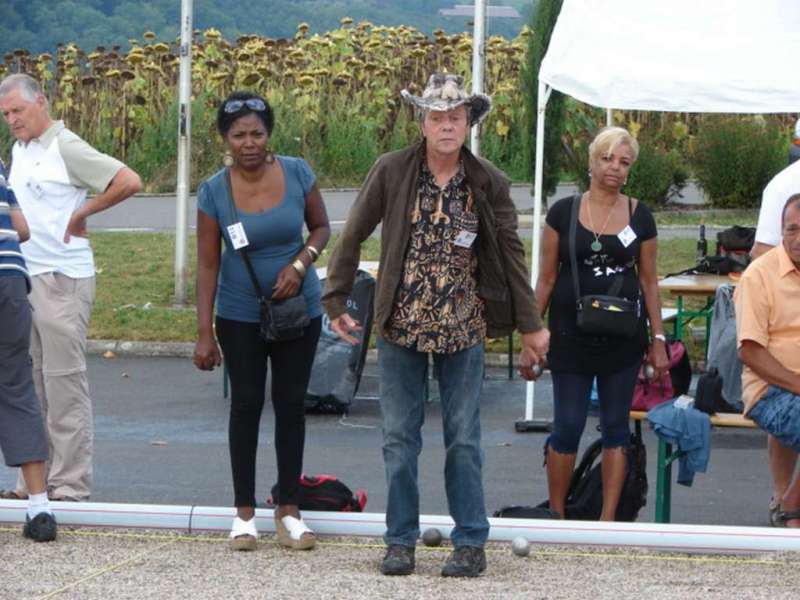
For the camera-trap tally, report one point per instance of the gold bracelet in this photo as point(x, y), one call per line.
point(299, 267)
point(312, 252)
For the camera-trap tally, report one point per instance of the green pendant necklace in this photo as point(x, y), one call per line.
point(596, 245)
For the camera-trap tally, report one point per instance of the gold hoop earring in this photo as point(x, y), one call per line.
point(269, 156)
point(227, 159)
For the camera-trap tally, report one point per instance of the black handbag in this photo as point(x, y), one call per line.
point(280, 320)
point(601, 314)
point(286, 319)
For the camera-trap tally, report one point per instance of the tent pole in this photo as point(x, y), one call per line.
point(478, 53)
point(609, 117)
point(184, 148)
point(529, 424)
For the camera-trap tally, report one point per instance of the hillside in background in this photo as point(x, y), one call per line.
point(38, 25)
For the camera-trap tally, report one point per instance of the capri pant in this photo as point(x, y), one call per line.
point(571, 393)
point(22, 435)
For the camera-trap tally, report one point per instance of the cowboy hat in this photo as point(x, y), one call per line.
point(444, 92)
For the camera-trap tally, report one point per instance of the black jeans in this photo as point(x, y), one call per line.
point(246, 358)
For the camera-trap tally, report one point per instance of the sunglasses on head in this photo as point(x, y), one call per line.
point(440, 79)
point(256, 104)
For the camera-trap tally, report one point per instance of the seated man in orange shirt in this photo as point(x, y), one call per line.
point(768, 328)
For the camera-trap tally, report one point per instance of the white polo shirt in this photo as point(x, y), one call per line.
point(778, 190)
point(50, 176)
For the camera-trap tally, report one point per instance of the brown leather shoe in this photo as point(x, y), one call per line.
point(12, 495)
point(399, 560)
point(465, 561)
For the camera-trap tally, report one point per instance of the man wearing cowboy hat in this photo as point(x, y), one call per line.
point(452, 272)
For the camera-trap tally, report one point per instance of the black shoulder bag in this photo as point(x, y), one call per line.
point(281, 320)
point(604, 315)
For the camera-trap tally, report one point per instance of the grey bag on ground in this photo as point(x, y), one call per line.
point(337, 369)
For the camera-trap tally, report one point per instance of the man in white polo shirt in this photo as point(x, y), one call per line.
point(51, 171)
point(780, 187)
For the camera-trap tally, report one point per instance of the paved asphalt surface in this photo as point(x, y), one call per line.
point(157, 213)
point(161, 438)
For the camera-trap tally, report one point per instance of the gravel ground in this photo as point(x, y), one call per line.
point(91, 564)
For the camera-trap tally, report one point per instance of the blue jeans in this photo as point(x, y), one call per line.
point(403, 373)
point(778, 413)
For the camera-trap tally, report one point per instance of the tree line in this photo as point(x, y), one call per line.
point(39, 25)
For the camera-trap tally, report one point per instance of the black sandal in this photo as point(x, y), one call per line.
point(774, 508)
point(782, 517)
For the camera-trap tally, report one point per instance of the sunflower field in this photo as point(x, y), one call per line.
point(336, 95)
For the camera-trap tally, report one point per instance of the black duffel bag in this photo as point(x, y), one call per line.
point(737, 238)
point(585, 495)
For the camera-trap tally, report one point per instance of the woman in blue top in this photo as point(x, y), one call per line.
point(273, 197)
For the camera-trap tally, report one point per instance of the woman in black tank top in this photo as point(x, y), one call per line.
point(615, 244)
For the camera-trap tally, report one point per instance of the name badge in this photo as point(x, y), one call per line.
point(464, 239)
point(35, 187)
point(238, 236)
point(627, 236)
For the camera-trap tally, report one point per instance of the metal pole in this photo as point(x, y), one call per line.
point(198, 519)
point(184, 148)
point(609, 117)
point(543, 96)
point(478, 56)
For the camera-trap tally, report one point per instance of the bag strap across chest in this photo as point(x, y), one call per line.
point(242, 251)
point(616, 286)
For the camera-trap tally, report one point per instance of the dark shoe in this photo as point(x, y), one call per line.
point(782, 517)
point(399, 560)
point(42, 528)
point(12, 495)
point(61, 498)
point(465, 561)
point(774, 511)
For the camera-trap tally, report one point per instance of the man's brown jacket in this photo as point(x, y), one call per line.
point(388, 196)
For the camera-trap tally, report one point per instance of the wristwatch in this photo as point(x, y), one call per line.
point(660, 336)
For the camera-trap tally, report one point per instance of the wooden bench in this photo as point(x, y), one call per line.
point(666, 456)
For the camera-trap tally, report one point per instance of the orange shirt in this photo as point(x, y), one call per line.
point(768, 312)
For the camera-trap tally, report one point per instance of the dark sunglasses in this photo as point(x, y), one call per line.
point(233, 106)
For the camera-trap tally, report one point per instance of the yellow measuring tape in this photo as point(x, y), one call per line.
point(492, 547)
point(170, 539)
point(105, 570)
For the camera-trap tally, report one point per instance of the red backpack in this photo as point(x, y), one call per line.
point(324, 492)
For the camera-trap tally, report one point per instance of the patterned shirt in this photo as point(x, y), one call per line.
point(437, 308)
point(11, 260)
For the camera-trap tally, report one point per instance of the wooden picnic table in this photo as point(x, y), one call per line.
point(702, 286)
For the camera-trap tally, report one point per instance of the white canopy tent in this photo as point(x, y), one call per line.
point(725, 56)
